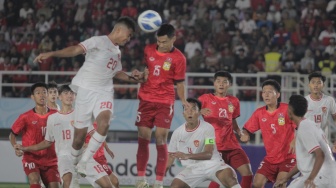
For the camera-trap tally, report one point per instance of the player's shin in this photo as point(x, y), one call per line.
point(94, 143)
point(161, 162)
point(142, 157)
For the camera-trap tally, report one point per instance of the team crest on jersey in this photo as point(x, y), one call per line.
point(167, 64)
point(196, 143)
point(324, 109)
point(281, 119)
point(230, 107)
point(72, 122)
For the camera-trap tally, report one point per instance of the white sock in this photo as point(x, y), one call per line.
point(76, 155)
point(158, 182)
point(95, 142)
point(236, 186)
point(141, 178)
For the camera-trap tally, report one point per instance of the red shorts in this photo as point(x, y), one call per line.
point(235, 158)
point(48, 173)
point(271, 171)
point(152, 114)
point(102, 161)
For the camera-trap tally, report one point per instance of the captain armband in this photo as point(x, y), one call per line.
point(209, 141)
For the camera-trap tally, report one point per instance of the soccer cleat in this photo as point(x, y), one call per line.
point(81, 169)
point(157, 186)
point(141, 184)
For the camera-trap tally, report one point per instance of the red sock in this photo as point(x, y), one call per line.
point(246, 181)
point(161, 161)
point(142, 156)
point(213, 185)
point(35, 186)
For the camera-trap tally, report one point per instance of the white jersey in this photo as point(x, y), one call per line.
point(320, 110)
point(309, 137)
point(102, 62)
point(61, 131)
point(193, 142)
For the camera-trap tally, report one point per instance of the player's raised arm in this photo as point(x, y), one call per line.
point(70, 51)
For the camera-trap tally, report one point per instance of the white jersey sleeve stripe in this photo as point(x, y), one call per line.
point(315, 148)
point(81, 45)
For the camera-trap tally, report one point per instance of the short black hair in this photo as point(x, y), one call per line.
point(52, 84)
point(316, 75)
point(195, 101)
point(273, 83)
point(64, 88)
point(36, 85)
point(127, 21)
point(223, 74)
point(299, 105)
point(166, 29)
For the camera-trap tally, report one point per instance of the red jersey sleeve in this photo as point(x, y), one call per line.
point(236, 104)
point(180, 68)
point(252, 125)
point(19, 124)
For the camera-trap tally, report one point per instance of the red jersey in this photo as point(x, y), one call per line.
point(164, 69)
point(32, 127)
point(224, 110)
point(277, 132)
point(100, 152)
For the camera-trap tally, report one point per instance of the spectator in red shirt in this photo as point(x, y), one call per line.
point(130, 10)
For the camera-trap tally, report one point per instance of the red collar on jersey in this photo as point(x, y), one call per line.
point(277, 106)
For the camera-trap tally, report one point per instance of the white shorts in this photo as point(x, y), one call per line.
point(321, 181)
point(201, 172)
point(94, 171)
point(65, 165)
point(89, 104)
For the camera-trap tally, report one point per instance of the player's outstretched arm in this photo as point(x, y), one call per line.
point(236, 127)
point(205, 155)
point(108, 150)
point(37, 147)
point(180, 90)
point(245, 136)
point(292, 146)
point(70, 51)
point(135, 77)
point(170, 160)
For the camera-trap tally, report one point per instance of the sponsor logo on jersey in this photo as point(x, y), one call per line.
point(57, 124)
point(151, 59)
point(167, 120)
point(263, 119)
point(230, 107)
point(181, 141)
point(196, 143)
point(167, 64)
point(281, 119)
point(34, 122)
point(213, 102)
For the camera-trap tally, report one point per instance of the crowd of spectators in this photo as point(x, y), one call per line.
point(240, 36)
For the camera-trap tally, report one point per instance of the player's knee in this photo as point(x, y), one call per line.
point(257, 184)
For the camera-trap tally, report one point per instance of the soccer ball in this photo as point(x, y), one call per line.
point(149, 21)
